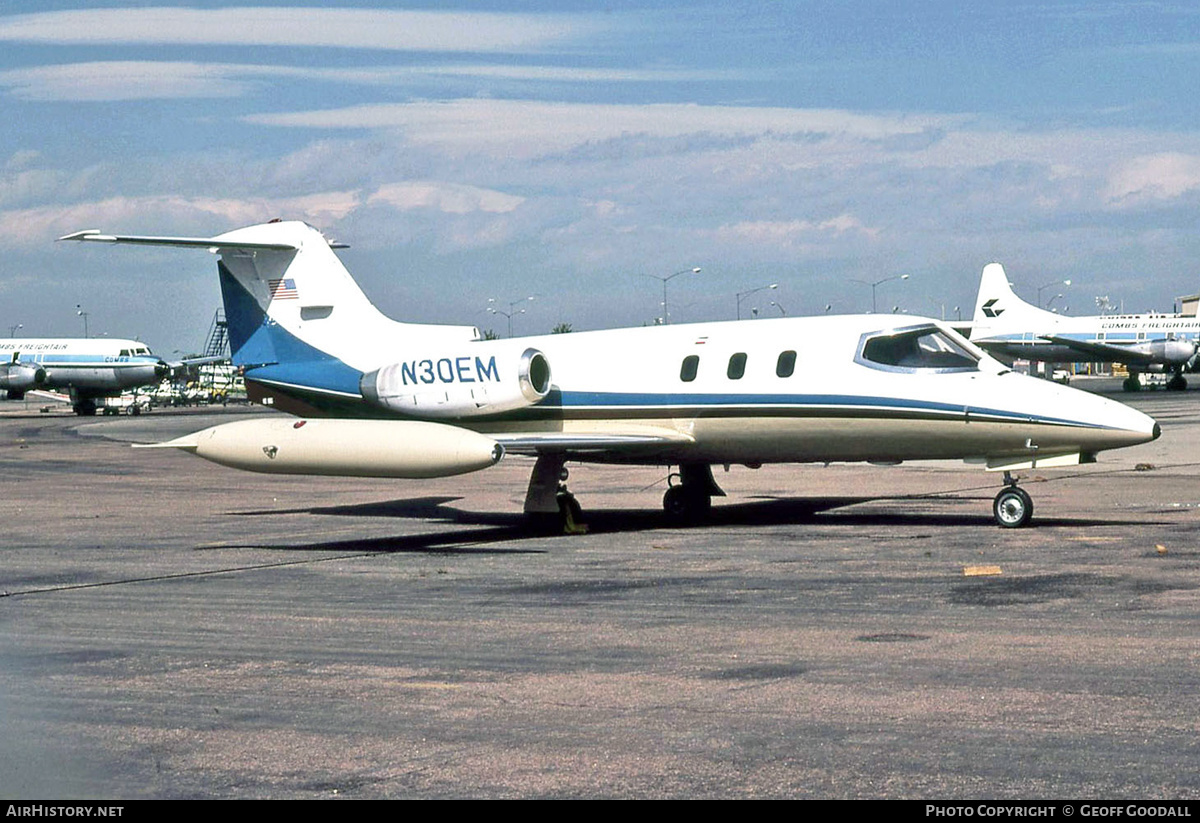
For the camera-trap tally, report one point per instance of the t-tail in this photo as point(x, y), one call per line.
point(299, 327)
point(998, 307)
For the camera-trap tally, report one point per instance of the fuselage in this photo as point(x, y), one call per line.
point(763, 391)
point(96, 364)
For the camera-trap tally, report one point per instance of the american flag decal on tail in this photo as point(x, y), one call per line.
point(283, 289)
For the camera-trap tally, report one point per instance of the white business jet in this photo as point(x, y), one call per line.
point(380, 398)
point(1008, 327)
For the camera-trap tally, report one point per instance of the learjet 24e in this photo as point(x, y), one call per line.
point(381, 398)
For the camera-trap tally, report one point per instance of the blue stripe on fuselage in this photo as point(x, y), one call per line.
point(717, 402)
point(271, 353)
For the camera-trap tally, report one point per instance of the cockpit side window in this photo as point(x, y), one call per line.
point(926, 348)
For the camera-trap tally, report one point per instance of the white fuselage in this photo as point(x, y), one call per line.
point(95, 364)
point(832, 405)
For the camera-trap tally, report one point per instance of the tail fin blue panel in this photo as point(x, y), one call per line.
point(270, 354)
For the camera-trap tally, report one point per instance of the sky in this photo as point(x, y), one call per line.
point(579, 153)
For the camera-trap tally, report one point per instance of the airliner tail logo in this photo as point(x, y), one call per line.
point(989, 311)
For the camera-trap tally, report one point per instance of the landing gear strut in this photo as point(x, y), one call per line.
point(1013, 507)
point(691, 497)
point(549, 498)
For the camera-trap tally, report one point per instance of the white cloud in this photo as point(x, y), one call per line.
point(448, 198)
point(791, 233)
point(527, 128)
point(123, 80)
point(1163, 176)
point(423, 31)
point(159, 79)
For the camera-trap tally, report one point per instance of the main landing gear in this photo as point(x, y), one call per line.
point(688, 498)
point(1013, 506)
point(548, 497)
point(690, 492)
point(1177, 382)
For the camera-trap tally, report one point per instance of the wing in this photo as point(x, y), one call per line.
point(533, 443)
point(1106, 351)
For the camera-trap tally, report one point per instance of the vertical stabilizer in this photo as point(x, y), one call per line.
point(997, 306)
point(290, 304)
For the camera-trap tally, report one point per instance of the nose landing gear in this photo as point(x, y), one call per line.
point(1013, 507)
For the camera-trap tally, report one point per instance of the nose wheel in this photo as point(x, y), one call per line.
point(1013, 507)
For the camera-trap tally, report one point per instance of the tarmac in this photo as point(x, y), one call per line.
point(174, 629)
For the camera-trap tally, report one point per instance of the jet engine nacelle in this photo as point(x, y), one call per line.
point(19, 377)
point(470, 381)
point(343, 448)
point(1171, 352)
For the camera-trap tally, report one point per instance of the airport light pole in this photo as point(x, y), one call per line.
point(782, 310)
point(12, 330)
point(1042, 288)
point(749, 292)
point(877, 284)
point(81, 313)
point(666, 318)
point(512, 309)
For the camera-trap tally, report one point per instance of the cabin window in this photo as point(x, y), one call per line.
point(786, 364)
point(922, 348)
point(737, 366)
point(124, 352)
point(691, 364)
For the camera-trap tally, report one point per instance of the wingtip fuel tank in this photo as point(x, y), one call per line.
point(343, 448)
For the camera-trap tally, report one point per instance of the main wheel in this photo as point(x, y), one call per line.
point(1012, 507)
point(682, 503)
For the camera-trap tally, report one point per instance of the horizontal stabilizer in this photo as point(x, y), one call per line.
point(213, 243)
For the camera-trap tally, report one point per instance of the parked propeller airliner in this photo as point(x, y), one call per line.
point(1008, 327)
point(381, 398)
point(89, 368)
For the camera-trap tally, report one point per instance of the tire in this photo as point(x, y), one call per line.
point(683, 505)
point(1012, 508)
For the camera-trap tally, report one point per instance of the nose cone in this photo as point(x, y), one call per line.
point(1103, 423)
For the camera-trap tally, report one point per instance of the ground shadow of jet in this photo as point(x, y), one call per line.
point(495, 529)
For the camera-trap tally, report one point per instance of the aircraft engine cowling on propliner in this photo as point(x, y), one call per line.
point(1171, 352)
point(19, 377)
point(478, 380)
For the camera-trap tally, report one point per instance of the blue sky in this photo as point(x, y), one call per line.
point(575, 152)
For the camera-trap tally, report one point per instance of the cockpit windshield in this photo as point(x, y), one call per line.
point(926, 348)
